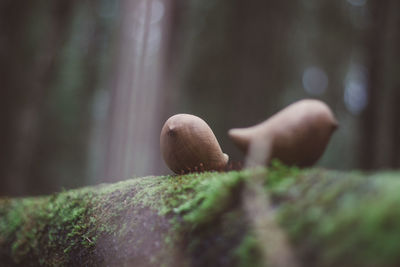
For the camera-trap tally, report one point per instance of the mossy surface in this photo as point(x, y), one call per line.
point(331, 219)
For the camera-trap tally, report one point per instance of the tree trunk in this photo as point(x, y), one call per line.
point(330, 218)
point(26, 79)
point(134, 120)
point(379, 141)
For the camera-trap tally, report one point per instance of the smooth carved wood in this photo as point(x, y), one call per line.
point(297, 135)
point(188, 144)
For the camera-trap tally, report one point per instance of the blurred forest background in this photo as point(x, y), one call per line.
point(87, 85)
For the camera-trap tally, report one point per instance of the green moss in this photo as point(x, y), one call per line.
point(334, 218)
point(248, 252)
point(209, 197)
point(349, 220)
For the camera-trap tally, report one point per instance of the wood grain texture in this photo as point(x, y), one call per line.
point(188, 144)
point(297, 135)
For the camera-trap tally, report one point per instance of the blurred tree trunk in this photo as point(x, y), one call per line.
point(31, 62)
point(135, 111)
point(380, 122)
point(50, 69)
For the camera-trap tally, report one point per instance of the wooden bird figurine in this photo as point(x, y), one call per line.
point(297, 135)
point(188, 144)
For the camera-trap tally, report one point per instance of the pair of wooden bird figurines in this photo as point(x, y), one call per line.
point(297, 135)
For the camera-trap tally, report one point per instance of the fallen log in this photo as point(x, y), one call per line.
point(330, 218)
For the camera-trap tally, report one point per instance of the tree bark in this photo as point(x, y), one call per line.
point(330, 218)
point(134, 119)
point(30, 63)
point(379, 123)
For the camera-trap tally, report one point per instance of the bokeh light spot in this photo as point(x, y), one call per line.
point(315, 80)
point(355, 92)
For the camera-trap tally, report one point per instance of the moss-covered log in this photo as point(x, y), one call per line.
point(331, 219)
